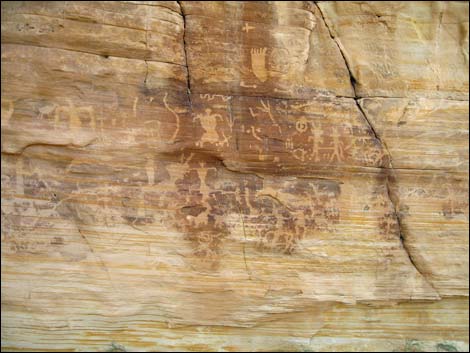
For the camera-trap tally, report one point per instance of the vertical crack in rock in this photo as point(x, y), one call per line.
point(394, 202)
point(146, 73)
point(188, 76)
point(390, 172)
point(244, 243)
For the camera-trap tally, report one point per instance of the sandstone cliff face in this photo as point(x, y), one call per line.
point(235, 175)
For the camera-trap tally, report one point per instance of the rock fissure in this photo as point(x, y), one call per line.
point(185, 50)
point(389, 168)
point(236, 156)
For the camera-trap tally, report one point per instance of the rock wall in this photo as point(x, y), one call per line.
point(235, 176)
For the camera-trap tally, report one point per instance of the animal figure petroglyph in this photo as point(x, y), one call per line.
point(258, 63)
point(46, 110)
point(209, 125)
point(73, 114)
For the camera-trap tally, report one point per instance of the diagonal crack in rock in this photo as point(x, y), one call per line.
point(390, 172)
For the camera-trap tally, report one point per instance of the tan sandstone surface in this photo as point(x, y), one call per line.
point(225, 176)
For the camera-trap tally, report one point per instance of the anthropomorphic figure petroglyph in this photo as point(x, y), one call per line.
point(338, 149)
point(211, 134)
point(317, 140)
point(45, 110)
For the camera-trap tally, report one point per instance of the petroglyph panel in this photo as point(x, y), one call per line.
point(422, 51)
point(433, 208)
point(202, 176)
point(282, 136)
point(213, 221)
point(90, 99)
point(421, 133)
point(273, 50)
point(119, 29)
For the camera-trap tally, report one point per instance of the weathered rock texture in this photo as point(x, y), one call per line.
point(235, 175)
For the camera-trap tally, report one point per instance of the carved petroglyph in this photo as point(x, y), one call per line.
point(258, 63)
point(271, 127)
point(75, 116)
point(210, 97)
point(153, 128)
point(19, 176)
point(245, 85)
point(210, 200)
point(247, 28)
point(285, 223)
point(211, 134)
point(46, 110)
point(134, 106)
point(316, 140)
point(266, 108)
point(321, 146)
point(8, 108)
point(387, 221)
point(281, 63)
point(150, 170)
point(455, 204)
point(339, 148)
point(254, 132)
point(301, 125)
point(177, 117)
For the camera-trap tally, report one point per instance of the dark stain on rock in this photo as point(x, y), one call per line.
point(193, 210)
point(57, 241)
